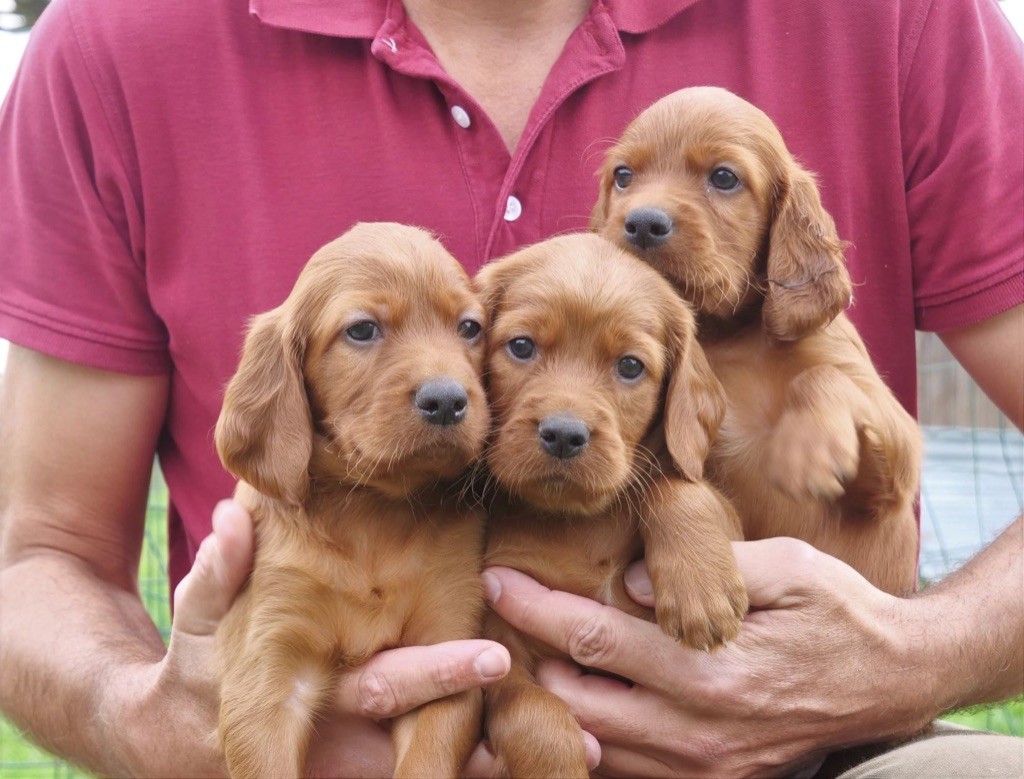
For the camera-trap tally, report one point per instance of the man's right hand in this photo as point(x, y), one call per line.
point(354, 739)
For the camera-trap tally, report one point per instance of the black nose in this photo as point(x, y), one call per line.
point(647, 227)
point(563, 436)
point(442, 401)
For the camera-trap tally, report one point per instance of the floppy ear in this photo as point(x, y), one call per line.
point(599, 214)
point(808, 284)
point(265, 431)
point(489, 283)
point(694, 401)
point(492, 280)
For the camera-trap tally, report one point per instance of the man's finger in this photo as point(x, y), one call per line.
point(784, 572)
point(590, 633)
point(638, 584)
point(222, 563)
point(399, 680)
point(624, 761)
point(605, 707)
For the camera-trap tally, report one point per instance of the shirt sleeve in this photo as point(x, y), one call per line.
point(72, 250)
point(963, 147)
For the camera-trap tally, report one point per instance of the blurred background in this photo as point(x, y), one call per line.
point(972, 486)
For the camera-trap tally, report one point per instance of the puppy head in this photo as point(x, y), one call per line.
point(368, 374)
point(584, 340)
point(702, 187)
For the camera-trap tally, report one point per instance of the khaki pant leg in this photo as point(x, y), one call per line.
point(946, 751)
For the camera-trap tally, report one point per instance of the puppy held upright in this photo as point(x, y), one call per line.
point(357, 404)
point(604, 408)
point(813, 444)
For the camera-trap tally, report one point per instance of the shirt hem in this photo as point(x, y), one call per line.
point(52, 340)
point(973, 307)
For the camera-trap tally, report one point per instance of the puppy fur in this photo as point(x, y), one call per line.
point(360, 542)
point(813, 445)
point(630, 481)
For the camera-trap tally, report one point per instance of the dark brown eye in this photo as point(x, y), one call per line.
point(623, 177)
point(469, 329)
point(522, 348)
point(363, 332)
point(630, 368)
point(724, 179)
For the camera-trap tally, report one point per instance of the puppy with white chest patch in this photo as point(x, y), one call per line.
point(357, 405)
point(813, 445)
point(604, 409)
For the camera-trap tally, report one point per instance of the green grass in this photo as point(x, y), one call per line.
point(19, 759)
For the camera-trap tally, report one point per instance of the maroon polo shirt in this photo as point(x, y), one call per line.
point(167, 168)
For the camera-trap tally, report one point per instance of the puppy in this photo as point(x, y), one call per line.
point(356, 405)
point(604, 409)
point(813, 445)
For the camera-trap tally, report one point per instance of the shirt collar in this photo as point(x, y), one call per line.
point(363, 18)
point(641, 16)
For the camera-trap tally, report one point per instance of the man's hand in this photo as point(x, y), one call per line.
point(353, 739)
point(822, 661)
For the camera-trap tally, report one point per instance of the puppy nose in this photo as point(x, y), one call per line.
point(563, 436)
point(442, 401)
point(647, 227)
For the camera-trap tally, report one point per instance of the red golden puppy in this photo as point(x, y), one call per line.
point(604, 409)
point(358, 402)
point(813, 445)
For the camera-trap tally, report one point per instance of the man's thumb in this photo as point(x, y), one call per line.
point(222, 563)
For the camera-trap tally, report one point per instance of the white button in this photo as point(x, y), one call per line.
point(513, 209)
point(460, 116)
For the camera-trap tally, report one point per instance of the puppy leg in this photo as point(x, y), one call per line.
point(699, 597)
point(437, 739)
point(269, 701)
point(814, 448)
point(531, 730)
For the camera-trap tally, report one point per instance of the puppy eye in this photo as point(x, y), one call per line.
point(724, 179)
point(623, 177)
point(469, 329)
point(363, 332)
point(522, 348)
point(630, 368)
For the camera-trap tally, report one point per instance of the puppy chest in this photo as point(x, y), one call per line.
point(582, 555)
point(383, 593)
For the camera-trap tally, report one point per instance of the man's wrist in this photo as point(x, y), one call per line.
point(928, 645)
point(123, 715)
point(155, 725)
point(968, 627)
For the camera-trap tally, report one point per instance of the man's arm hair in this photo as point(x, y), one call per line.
point(76, 453)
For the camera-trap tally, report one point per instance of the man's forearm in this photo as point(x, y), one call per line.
point(68, 639)
point(973, 621)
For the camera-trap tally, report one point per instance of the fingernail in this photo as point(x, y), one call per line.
point(492, 587)
point(491, 663)
point(592, 750)
point(637, 581)
point(220, 513)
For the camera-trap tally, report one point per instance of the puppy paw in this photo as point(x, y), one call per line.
point(703, 614)
point(813, 457)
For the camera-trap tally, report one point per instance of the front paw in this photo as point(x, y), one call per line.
point(812, 457)
point(704, 613)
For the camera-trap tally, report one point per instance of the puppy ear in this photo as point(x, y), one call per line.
point(599, 214)
point(265, 431)
point(489, 283)
point(492, 280)
point(694, 402)
point(808, 284)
